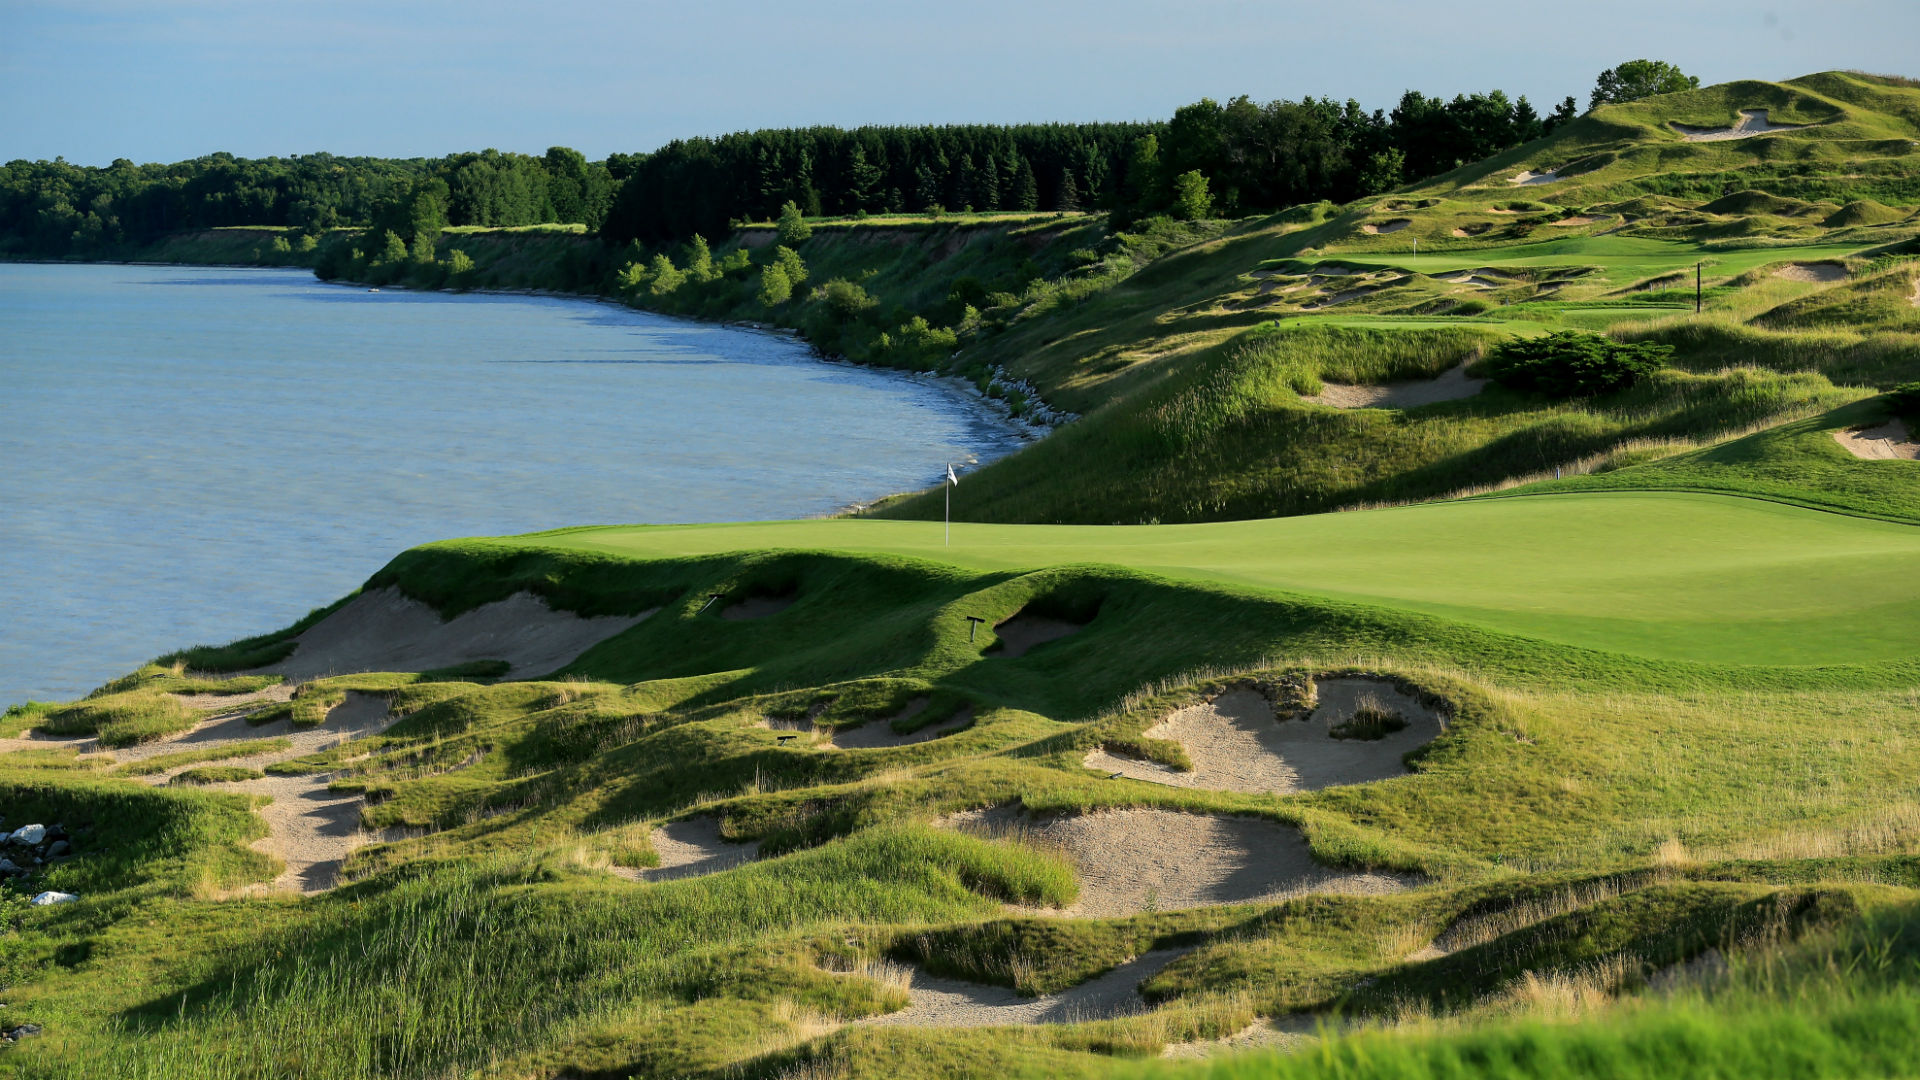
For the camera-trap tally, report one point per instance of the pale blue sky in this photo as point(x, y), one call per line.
point(97, 79)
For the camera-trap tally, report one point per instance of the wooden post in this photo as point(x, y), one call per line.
point(1696, 288)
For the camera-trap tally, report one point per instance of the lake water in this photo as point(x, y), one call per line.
point(192, 455)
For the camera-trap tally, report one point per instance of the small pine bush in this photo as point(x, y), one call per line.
point(1574, 364)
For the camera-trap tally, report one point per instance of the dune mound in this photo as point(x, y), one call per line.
point(880, 733)
point(1451, 386)
point(1236, 743)
point(1131, 861)
point(384, 630)
point(758, 607)
point(1393, 226)
point(1890, 441)
point(692, 848)
point(1752, 122)
point(1821, 272)
point(942, 1002)
point(1023, 632)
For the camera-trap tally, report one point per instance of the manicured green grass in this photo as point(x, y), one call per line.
point(1665, 575)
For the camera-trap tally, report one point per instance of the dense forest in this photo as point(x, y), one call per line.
point(1208, 159)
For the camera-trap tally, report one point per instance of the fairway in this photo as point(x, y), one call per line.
point(1677, 576)
point(1621, 259)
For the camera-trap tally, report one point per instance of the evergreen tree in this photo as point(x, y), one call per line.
point(926, 187)
point(987, 195)
point(863, 180)
point(1566, 112)
point(1067, 198)
point(1024, 193)
point(1526, 122)
point(966, 183)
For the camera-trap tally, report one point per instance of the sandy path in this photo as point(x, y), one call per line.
point(1890, 441)
point(1752, 122)
point(311, 829)
point(1813, 273)
point(384, 630)
point(1131, 861)
point(1285, 1033)
point(691, 848)
point(1237, 744)
point(1023, 632)
point(1451, 386)
point(940, 1002)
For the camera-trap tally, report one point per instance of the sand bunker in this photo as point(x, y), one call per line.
point(1393, 226)
point(1915, 298)
point(1476, 228)
point(1575, 220)
point(1890, 441)
point(384, 630)
point(1023, 632)
point(1282, 1033)
point(941, 1002)
point(1131, 861)
point(1451, 386)
point(1822, 273)
point(1530, 178)
point(880, 733)
point(758, 607)
point(1752, 122)
point(692, 848)
point(1237, 744)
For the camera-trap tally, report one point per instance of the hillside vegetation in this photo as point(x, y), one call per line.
point(1597, 762)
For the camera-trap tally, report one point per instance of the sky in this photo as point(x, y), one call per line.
point(95, 80)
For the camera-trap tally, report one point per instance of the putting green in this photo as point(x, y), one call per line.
point(1681, 576)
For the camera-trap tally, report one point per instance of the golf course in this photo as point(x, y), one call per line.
point(1495, 659)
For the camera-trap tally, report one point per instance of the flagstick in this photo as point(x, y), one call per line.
point(949, 488)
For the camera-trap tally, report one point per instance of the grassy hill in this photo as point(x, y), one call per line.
point(1602, 769)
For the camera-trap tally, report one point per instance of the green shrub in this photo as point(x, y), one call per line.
point(1574, 364)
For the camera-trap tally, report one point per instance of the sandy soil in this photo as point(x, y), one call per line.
point(1393, 226)
point(939, 1002)
point(1752, 122)
point(1915, 298)
point(1283, 1033)
point(1023, 632)
point(878, 733)
point(757, 607)
point(1135, 860)
point(690, 849)
point(386, 631)
point(1530, 178)
point(1890, 441)
point(1237, 744)
point(1452, 386)
point(1820, 273)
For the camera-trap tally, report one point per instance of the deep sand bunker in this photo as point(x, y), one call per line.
point(692, 848)
point(1131, 861)
point(384, 630)
point(1236, 743)
point(1451, 386)
point(1023, 632)
point(942, 1002)
point(875, 734)
point(1890, 441)
point(1821, 273)
point(1752, 122)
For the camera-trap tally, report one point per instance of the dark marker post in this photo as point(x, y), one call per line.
point(973, 624)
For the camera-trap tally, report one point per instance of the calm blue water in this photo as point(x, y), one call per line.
point(191, 455)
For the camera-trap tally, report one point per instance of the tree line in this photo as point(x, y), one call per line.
point(1239, 158)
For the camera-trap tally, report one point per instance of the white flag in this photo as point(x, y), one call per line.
point(952, 479)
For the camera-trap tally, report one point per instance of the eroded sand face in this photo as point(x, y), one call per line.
point(1813, 273)
point(384, 630)
point(1131, 861)
point(1451, 386)
point(1890, 441)
point(1237, 744)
